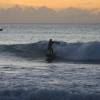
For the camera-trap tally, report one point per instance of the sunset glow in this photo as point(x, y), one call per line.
point(89, 4)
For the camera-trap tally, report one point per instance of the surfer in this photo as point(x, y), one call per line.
point(50, 49)
point(1, 29)
point(50, 56)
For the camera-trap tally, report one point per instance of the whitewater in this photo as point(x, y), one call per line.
point(73, 75)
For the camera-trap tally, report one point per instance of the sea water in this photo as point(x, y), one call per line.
point(73, 75)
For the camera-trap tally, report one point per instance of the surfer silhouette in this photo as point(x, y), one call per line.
point(50, 49)
point(50, 56)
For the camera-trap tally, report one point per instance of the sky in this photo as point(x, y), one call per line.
point(56, 4)
point(49, 11)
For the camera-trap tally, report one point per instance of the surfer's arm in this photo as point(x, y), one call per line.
point(56, 42)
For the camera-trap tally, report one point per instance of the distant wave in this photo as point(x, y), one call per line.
point(36, 94)
point(89, 51)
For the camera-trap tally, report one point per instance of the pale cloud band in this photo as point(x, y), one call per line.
point(46, 15)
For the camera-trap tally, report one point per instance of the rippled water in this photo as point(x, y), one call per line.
point(32, 79)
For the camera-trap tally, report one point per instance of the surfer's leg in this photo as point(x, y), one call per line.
point(51, 51)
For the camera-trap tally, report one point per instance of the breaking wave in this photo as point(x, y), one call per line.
point(78, 51)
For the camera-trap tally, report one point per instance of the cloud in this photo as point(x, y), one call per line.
point(17, 14)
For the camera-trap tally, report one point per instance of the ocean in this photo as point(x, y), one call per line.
point(73, 75)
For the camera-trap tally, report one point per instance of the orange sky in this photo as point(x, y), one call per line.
point(52, 3)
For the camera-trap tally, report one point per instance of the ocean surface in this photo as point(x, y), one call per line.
point(73, 75)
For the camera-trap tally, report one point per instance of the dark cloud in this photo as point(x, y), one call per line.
point(17, 14)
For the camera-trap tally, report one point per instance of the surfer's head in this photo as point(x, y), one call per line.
point(50, 40)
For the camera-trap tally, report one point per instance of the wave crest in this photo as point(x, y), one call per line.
point(89, 51)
